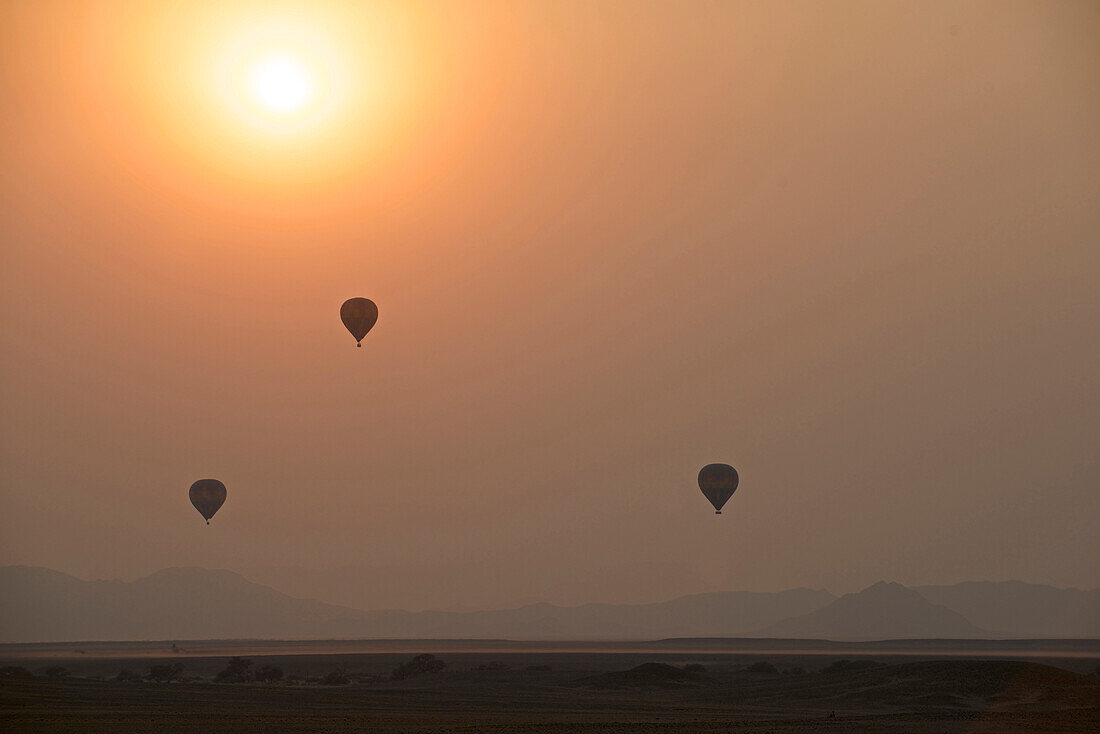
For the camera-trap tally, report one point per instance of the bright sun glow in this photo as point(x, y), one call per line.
point(281, 83)
point(284, 76)
point(284, 85)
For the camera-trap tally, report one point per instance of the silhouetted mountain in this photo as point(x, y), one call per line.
point(882, 611)
point(493, 583)
point(40, 605)
point(719, 614)
point(37, 604)
point(1013, 608)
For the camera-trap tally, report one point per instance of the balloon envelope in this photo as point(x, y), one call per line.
point(207, 495)
point(718, 483)
point(359, 316)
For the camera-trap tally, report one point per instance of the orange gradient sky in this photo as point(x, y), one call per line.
point(850, 248)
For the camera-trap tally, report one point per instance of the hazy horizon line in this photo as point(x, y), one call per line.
point(459, 609)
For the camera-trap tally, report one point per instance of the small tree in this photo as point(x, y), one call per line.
point(420, 665)
point(493, 665)
point(336, 678)
point(269, 674)
point(15, 671)
point(763, 667)
point(56, 672)
point(127, 676)
point(850, 666)
point(165, 673)
point(236, 671)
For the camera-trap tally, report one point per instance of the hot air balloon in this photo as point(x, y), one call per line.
point(359, 315)
point(718, 482)
point(207, 495)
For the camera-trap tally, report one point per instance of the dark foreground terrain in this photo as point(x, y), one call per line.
point(550, 693)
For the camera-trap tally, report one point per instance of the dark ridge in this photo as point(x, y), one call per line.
point(970, 684)
point(646, 675)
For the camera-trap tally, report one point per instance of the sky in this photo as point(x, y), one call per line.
point(850, 248)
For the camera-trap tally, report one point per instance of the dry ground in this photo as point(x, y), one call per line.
point(929, 696)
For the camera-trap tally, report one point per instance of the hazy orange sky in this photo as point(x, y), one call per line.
point(850, 248)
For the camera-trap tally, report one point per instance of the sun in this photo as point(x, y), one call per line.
point(281, 79)
point(281, 83)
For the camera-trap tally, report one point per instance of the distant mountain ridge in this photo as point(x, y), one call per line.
point(879, 611)
point(41, 605)
point(715, 614)
point(1015, 608)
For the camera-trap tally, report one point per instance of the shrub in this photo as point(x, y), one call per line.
point(335, 678)
point(797, 670)
point(269, 674)
point(56, 672)
point(850, 666)
point(15, 671)
point(695, 668)
point(235, 672)
point(419, 665)
point(165, 673)
point(495, 665)
point(127, 676)
point(763, 667)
